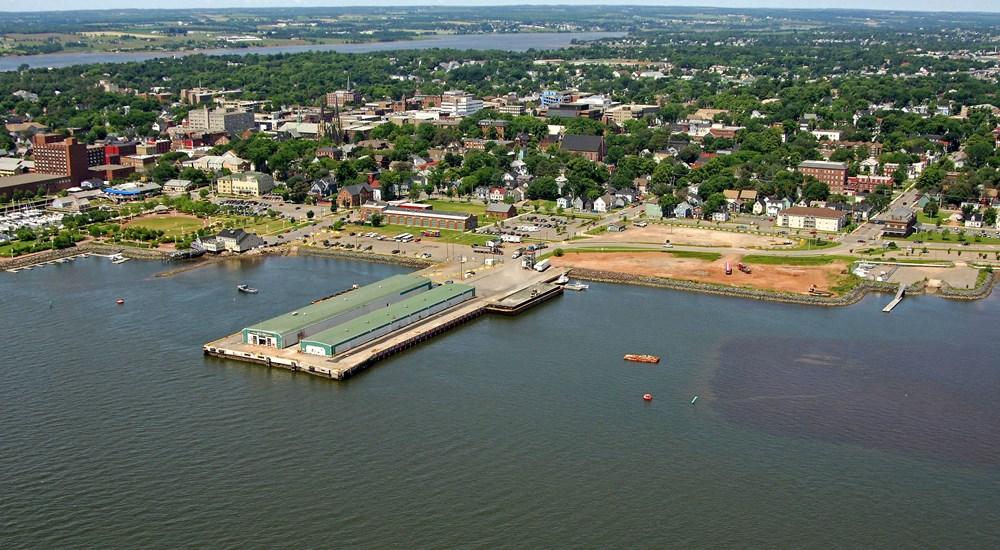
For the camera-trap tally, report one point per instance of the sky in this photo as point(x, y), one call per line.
point(921, 5)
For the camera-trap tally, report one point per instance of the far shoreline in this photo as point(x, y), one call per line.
point(855, 295)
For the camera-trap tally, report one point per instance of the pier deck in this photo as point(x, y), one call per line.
point(532, 289)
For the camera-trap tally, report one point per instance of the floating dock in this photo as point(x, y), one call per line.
point(341, 366)
point(895, 301)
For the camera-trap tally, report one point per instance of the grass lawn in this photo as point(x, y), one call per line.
point(172, 226)
point(813, 244)
point(924, 218)
point(794, 260)
point(695, 255)
point(260, 226)
point(951, 238)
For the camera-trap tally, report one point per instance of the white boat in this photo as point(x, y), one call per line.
point(247, 289)
point(563, 279)
point(117, 259)
point(576, 286)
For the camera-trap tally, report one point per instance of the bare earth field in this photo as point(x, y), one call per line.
point(769, 277)
point(690, 236)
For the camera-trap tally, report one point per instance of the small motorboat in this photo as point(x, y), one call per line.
point(642, 358)
point(120, 301)
point(563, 279)
point(576, 286)
point(246, 289)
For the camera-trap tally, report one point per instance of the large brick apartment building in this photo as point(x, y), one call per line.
point(834, 174)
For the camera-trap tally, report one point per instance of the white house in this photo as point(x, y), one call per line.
point(603, 203)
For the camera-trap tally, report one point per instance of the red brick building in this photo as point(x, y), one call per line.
point(66, 158)
point(834, 174)
point(864, 184)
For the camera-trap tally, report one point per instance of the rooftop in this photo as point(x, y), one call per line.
point(28, 179)
point(813, 212)
point(325, 309)
point(371, 321)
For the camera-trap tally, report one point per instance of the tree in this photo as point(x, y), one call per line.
point(544, 188)
point(931, 209)
point(376, 219)
point(714, 203)
point(816, 191)
point(310, 214)
point(668, 202)
point(990, 217)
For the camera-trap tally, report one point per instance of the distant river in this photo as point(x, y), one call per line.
point(815, 428)
point(514, 42)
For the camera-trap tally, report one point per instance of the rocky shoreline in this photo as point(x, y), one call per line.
point(852, 297)
point(405, 261)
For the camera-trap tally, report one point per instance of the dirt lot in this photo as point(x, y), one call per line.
point(770, 277)
point(690, 236)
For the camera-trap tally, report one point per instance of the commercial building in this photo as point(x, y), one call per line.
point(802, 217)
point(899, 222)
point(622, 113)
point(342, 97)
point(32, 183)
point(548, 98)
point(376, 324)
point(288, 329)
point(429, 219)
point(459, 103)
point(834, 174)
point(863, 184)
point(230, 121)
point(589, 147)
point(245, 184)
point(112, 172)
point(66, 158)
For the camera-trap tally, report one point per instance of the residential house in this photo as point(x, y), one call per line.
point(516, 194)
point(737, 198)
point(177, 186)
point(481, 192)
point(564, 202)
point(604, 203)
point(323, 187)
point(581, 205)
point(496, 194)
point(683, 210)
point(720, 216)
point(975, 220)
point(653, 211)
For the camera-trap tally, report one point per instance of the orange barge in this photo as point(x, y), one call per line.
point(642, 358)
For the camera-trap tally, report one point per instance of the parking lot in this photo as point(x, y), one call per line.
point(539, 227)
point(242, 207)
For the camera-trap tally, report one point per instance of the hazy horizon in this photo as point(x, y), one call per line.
point(989, 6)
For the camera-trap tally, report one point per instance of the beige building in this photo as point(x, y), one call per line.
point(220, 120)
point(623, 113)
point(820, 219)
point(245, 184)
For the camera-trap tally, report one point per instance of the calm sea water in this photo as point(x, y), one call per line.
point(814, 427)
point(512, 42)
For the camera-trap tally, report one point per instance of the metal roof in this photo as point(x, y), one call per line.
point(314, 313)
point(371, 321)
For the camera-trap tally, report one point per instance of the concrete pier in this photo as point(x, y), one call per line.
point(532, 289)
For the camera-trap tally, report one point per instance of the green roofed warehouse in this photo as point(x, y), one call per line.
point(288, 329)
point(371, 326)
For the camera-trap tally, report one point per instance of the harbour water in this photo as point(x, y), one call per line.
point(840, 427)
point(513, 42)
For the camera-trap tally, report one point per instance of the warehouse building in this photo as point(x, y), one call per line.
point(288, 329)
point(374, 325)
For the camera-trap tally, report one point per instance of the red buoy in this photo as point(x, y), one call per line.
point(120, 301)
point(647, 397)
